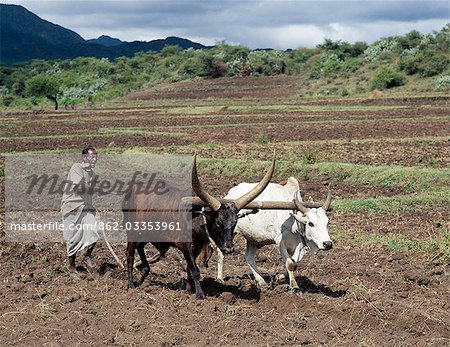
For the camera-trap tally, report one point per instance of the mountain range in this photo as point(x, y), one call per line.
point(25, 36)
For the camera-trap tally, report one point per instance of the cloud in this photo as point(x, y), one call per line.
point(266, 23)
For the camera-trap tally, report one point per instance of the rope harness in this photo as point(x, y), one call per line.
point(211, 241)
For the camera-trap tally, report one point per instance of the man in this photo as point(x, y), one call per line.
point(80, 223)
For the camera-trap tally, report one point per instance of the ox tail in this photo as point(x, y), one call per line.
point(126, 207)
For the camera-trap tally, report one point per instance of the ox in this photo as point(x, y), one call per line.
point(216, 222)
point(293, 233)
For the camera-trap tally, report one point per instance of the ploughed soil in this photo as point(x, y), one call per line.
point(348, 296)
point(353, 295)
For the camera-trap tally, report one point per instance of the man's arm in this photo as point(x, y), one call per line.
point(80, 186)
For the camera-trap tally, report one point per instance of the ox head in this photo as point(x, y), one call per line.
point(223, 216)
point(314, 223)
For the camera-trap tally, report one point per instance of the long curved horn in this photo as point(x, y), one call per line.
point(212, 202)
point(303, 209)
point(327, 203)
point(251, 195)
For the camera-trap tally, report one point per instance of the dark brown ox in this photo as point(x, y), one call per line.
point(221, 219)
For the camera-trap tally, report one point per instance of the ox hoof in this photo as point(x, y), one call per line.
point(280, 278)
point(89, 264)
point(131, 286)
point(294, 290)
point(200, 296)
point(263, 286)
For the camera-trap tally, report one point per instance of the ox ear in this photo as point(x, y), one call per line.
point(300, 219)
point(243, 214)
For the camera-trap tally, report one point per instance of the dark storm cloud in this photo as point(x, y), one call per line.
point(269, 23)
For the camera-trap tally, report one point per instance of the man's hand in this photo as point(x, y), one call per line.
point(83, 188)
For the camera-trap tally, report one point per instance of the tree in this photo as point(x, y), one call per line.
point(171, 50)
point(18, 88)
point(44, 86)
point(410, 40)
point(386, 78)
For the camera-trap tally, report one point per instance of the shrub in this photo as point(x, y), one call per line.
point(69, 103)
point(433, 64)
point(410, 40)
point(386, 56)
point(261, 140)
point(409, 64)
point(217, 68)
point(442, 83)
point(308, 157)
point(194, 67)
point(301, 55)
point(358, 48)
point(18, 87)
point(170, 50)
point(268, 63)
point(386, 45)
point(4, 90)
point(329, 65)
point(386, 78)
point(426, 63)
point(352, 64)
point(7, 100)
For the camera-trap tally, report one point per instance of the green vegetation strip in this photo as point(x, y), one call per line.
point(111, 132)
point(433, 247)
point(328, 108)
point(193, 110)
point(399, 203)
point(146, 133)
point(162, 116)
point(390, 177)
point(283, 107)
point(424, 140)
point(289, 149)
point(259, 124)
point(407, 179)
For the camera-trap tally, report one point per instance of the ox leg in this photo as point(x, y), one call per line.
point(290, 267)
point(220, 264)
point(250, 254)
point(145, 266)
point(289, 264)
point(131, 248)
point(299, 252)
point(193, 271)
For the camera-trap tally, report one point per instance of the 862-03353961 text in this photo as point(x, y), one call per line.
point(140, 226)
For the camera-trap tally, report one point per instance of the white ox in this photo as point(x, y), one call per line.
point(293, 232)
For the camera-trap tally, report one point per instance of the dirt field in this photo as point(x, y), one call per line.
point(360, 293)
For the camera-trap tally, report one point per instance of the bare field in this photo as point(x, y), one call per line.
point(385, 282)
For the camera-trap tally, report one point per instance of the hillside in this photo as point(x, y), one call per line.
point(26, 36)
point(24, 22)
point(72, 74)
point(410, 64)
point(105, 40)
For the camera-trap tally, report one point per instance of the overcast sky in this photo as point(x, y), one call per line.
point(254, 23)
